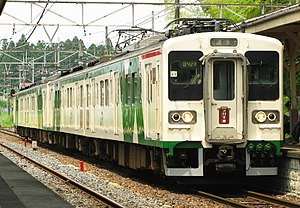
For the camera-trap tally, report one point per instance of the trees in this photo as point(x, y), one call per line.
point(226, 8)
point(21, 60)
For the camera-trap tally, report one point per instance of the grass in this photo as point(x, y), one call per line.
point(6, 120)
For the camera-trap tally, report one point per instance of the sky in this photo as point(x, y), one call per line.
point(17, 17)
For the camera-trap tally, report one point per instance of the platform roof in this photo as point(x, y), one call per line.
point(276, 24)
point(2, 4)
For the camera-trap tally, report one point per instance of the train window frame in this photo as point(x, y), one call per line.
point(263, 90)
point(192, 87)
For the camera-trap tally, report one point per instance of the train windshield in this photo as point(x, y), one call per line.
point(185, 75)
point(263, 75)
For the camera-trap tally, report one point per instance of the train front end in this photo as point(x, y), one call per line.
point(222, 105)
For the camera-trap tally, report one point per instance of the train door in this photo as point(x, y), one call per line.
point(80, 106)
point(226, 104)
point(157, 99)
point(93, 105)
point(149, 101)
point(76, 106)
point(116, 101)
point(88, 105)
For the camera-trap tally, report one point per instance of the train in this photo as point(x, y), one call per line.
point(198, 101)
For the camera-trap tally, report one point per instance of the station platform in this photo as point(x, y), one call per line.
point(291, 150)
point(18, 189)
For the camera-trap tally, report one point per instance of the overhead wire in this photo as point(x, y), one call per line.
point(35, 26)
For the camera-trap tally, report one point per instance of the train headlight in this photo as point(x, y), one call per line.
point(182, 117)
point(187, 117)
point(272, 116)
point(175, 117)
point(260, 116)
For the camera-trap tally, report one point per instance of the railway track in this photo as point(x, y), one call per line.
point(241, 197)
point(79, 186)
point(246, 198)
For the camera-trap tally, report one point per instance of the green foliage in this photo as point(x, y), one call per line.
point(240, 13)
point(2, 104)
point(6, 120)
point(186, 11)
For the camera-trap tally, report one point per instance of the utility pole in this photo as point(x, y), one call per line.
point(177, 9)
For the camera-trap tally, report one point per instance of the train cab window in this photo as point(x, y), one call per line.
point(263, 75)
point(185, 75)
point(223, 80)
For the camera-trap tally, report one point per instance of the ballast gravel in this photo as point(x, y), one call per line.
point(119, 194)
point(124, 190)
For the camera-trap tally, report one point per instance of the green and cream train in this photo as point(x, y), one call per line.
point(185, 104)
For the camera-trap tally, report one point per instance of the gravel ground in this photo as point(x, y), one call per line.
point(125, 190)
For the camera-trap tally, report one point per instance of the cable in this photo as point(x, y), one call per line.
point(37, 21)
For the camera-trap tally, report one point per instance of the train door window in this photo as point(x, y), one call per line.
point(88, 95)
point(81, 96)
point(106, 92)
point(135, 87)
point(32, 103)
point(93, 93)
point(128, 88)
point(102, 93)
point(68, 97)
point(117, 88)
point(111, 91)
point(71, 97)
point(148, 68)
point(223, 80)
point(263, 75)
point(185, 75)
point(97, 93)
point(63, 97)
